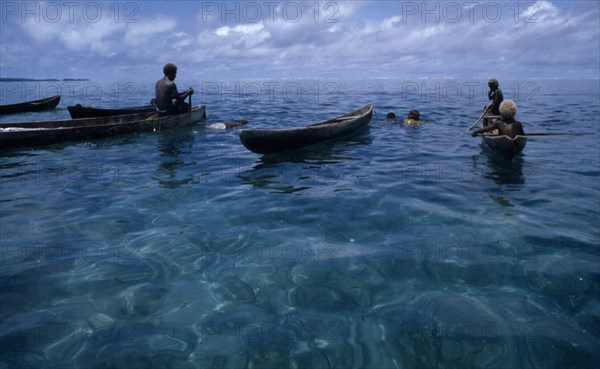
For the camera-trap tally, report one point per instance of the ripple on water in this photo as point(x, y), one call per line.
point(397, 247)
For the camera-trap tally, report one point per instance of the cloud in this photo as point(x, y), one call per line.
point(104, 36)
point(244, 35)
point(96, 37)
point(180, 41)
point(333, 38)
point(485, 38)
point(144, 32)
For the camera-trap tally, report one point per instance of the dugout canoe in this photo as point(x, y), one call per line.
point(31, 106)
point(269, 141)
point(78, 111)
point(26, 134)
point(505, 146)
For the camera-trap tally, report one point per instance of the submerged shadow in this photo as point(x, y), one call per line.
point(172, 144)
point(499, 169)
point(301, 169)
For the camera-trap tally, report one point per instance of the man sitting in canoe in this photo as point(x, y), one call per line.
point(413, 117)
point(507, 126)
point(166, 92)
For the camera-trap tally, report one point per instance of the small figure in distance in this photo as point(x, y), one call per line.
point(166, 92)
point(507, 126)
point(391, 116)
point(226, 125)
point(495, 96)
point(413, 117)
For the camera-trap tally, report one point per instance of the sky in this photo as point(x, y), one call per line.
point(220, 40)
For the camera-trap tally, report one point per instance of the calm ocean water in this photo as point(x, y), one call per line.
point(398, 247)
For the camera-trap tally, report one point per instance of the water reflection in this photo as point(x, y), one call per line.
point(498, 169)
point(302, 169)
point(172, 144)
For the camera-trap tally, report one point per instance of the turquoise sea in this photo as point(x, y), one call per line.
point(398, 247)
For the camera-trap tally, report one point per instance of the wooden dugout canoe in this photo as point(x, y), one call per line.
point(269, 141)
point(26, 134)
point(78, 111)
point(505, 146)
point(31, 106)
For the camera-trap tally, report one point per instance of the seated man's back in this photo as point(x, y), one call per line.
point(511, 129)
point(165, 91)
point(507, 126)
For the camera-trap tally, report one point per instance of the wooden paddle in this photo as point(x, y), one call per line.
point(190, 111)
point(152, 116)
point(547, 134)
point(477, 121)
point(558, 133)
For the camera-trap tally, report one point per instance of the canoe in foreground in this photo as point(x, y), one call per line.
point(268, 141)
point(78, 111)
point(505, 146)
point(31, 106)
point(25, 134)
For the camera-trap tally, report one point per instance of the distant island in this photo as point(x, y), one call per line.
point(42, 80)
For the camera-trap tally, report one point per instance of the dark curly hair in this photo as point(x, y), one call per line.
point(169, 68)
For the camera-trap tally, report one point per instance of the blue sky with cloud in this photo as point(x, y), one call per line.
point(217, 40)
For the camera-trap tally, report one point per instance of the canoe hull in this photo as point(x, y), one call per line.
point(79, 112)
point(505, 146)
point(31, 106)
point(26, 134)
point(278, 140)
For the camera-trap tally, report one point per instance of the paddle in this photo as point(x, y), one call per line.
point(190, 111)
point(152, 116)
point(558, 133)
point(477, 121)
point(548, 134)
